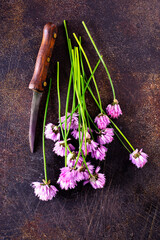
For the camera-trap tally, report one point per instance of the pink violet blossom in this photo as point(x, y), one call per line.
point(52, 132)
point(74, 121)
point(44, 191)
point(97, 180)
point(67, 178)
point(99, 153)
point(90, 146)
point(88, 136)
point(71, 159)
point(82, 172)
point(105, 136)
point(138, 158)
point(59, 148)
point(75, 133)
point(114, 109)
point(102, 121)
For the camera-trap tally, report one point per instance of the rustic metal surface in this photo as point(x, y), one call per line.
point(128, 35)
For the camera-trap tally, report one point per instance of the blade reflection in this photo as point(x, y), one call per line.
point(33, 117)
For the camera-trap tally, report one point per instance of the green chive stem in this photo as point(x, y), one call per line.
point(43, 135)
point(66, 111)
point(87, 83)
point(59, 100)
point(112, 123)
point(109, 77)
point(121, 141)
point(90, 69)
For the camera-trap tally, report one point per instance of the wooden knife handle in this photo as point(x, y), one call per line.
point(38, 81)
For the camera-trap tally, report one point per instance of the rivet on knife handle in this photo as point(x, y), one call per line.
point(43, 59)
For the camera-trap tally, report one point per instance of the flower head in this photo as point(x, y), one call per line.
point(138, 158)
point(99, 153)
point(90, 146)
point(105, 136)
point(102, 121)
point(114, 109)
point(75, 133)
point(97, 180)
point(72, 121)
point(59, 148)
point(44, 190)
point(82, 172)
point(67, 178)
point(71, 159)
point(52, 132)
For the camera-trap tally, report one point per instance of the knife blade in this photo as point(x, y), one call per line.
point(38, 81)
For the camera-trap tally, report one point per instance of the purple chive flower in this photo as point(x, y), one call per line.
point(105, 136)
point(59, 148)
point(99, 153)
point(102, 121)
point(44, 191)
point(75, 133)
point(90, 146)
point(114, 109)
point(67, 178)
point(52, 132)
point(97, 180)
point(138, 158)
point(71, 159)
point(74, 121)
point(88, 136)
point(82, 172)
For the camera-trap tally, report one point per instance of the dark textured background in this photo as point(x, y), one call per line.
point(127, 33)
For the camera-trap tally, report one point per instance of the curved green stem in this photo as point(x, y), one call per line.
point(86, 164)
point(83, 93)
point(78, 90)
point(66, 111)
point(43, 136)
point(90, 69)
point(111, 120)
point(109, 77)
point(121, 141)
point(59, 100)
point(92, 121)
point(122, 134)
point(68, 41)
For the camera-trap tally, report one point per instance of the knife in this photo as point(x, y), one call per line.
point(38, 81)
